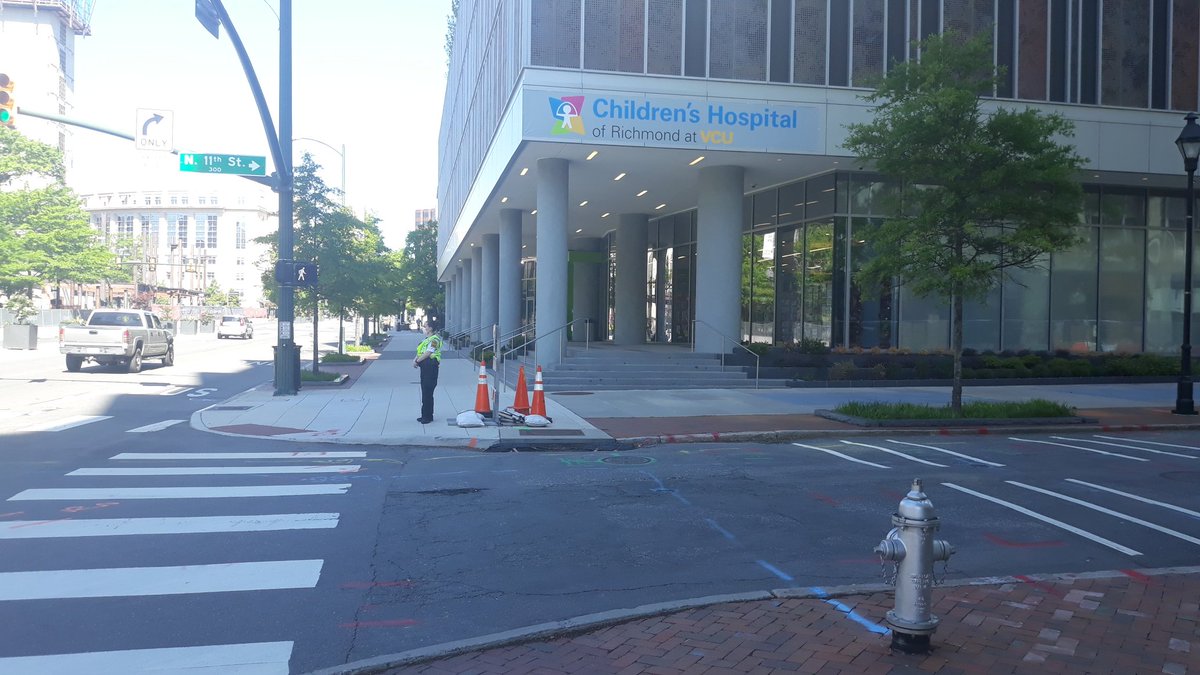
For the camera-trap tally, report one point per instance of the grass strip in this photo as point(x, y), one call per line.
point(310, 376)
point(973, 410)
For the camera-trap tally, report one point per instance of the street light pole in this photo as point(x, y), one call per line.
point(1189, 146)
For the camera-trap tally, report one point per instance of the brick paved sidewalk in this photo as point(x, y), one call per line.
point(1128, 624)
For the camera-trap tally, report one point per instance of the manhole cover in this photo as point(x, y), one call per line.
point(626, 459)
point(1193, 476)
point(571, 393)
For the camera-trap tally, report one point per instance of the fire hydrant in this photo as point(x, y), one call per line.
point(910, 544)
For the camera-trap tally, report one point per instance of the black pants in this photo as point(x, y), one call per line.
point(429, 375)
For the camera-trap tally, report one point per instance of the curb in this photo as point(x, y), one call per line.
point(590, 622)
point(953, 423)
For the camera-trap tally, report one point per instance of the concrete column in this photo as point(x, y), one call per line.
point(551, 301)
point(452, 303)
point(719, 258)
point(509, 284)
point(477, 293)
point(448, 312)
point(630, 289)
point(660, 294)
point(458, 301)
point(489, 273)
point(469, 304)
point(586, 296)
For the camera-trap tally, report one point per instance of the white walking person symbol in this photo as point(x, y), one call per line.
point(301, 272)
point(565, 112)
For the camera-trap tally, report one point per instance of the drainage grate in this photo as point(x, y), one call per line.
point(231, 407)
point(626, 459)
point(550, 432)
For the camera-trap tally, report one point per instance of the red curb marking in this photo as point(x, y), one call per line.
point(378, 584)
point(983, 431)
point(824, 498)
point(474, 442)
point(1138, 576)
point(670, 438)
point(716, 436)
point(1018, 544)
point(386, 623)
point(1044, 587)
point(943, 431)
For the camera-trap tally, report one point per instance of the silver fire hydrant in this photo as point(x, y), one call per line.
point(911, 545)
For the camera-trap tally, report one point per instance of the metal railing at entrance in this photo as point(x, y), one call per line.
point(735, 344)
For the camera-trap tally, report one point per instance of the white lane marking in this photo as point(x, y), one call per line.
point(1080, 447)
point(1138, 440)
point(1095, 507)
point(213, 470)
point(174, 580)
point(896, 453)
point(174, 390)
point(838, 454)
point(239, 455)
point(1127, 447)
point(948, 452)
point(157, 426)
point(254, 658)
point(1144, 500)
point(68, 423)
point(201, 393)
point(233, 492)
point(104, 527)
point(1047, 519)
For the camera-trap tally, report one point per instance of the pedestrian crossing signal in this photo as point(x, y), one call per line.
point(296, 273)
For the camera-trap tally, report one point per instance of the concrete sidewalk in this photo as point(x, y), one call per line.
point(380, 403)
point(1126, 622)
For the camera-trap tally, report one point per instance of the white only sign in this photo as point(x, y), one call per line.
point(154, 130)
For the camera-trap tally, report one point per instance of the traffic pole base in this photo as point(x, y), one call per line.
point(909, 643)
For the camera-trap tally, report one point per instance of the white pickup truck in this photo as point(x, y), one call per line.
point(117, 337)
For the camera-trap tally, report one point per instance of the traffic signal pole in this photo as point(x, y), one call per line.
point(287, 355)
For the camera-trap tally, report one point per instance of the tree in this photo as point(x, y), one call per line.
point(45, 235)
point(418, 269)
point(980, 193)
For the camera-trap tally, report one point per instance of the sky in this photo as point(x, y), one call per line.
point(367, 74)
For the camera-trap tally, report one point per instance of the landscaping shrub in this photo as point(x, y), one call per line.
point(334, 357)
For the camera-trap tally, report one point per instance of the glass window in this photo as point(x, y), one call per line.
point(738, 44)
point(695, 48)
point(840, 281)
point(924, 323)
point(1185, 39)
point(554, 38)
point(1128, 209)
point(1122, 268)
point(684, 234)
point(614, 35)
point(666, 25)
point(765, 209)
point(791, 203)
point(821, 196)
point(818, 282)
point(839, 44)
point(809, 39)
point(1027, 306)
point(212, 231)
point(870, 320)
point(868, 42)
point(1165, 252)
point(240, 235)
point(1073, 296)
point(680, 289)
point(758, 288)
point(1032, 45)
point(1125, 62)
point(781, 41)
point(981, 322)
point(789, 285)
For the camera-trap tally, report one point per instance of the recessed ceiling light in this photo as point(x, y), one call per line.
point(472, 244)
point(619, 176)
point(583, 203)
point(607, 214)
point(579, 230)
point(829, 189)
point(642, 193)
point(655, 208)
point(696, 161)
point(524, 245)
point(533, 212)
point(504, 200)
point(524, 171)
point(592, 154)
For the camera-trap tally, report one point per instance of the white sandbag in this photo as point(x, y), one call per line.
point(536, 421)
point(469, 419)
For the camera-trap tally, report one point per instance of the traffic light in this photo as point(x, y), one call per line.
point(8, 105)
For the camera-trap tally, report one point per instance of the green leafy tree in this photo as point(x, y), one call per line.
point(45, 235)
point(418, 269)
point(981, 192)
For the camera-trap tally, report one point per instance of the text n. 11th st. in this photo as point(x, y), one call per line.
point(235, 165)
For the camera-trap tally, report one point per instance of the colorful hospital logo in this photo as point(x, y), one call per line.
point(568, 115)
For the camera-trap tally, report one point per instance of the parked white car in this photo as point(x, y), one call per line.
point(235, 326)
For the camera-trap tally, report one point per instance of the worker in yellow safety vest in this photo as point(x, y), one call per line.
point(428, 359)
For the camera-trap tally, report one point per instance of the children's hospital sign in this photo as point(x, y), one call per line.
point(672, 122)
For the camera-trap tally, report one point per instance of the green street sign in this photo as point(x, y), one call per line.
point(237, 165)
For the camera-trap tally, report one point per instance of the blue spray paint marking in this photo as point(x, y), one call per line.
point(664, 488)
point(724, 532)
point(850, 613)
point(775, 570)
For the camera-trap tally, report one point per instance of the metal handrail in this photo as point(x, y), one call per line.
point(736, 343)
point(503, 379)
point(454, 338)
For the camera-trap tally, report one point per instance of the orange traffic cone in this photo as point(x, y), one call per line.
point(539, 399)
point(521, 400)
point(483, 404)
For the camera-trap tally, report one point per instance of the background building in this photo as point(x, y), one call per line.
point(676, 169)
point(422, 216)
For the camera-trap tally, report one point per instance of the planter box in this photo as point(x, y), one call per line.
point(20, 336)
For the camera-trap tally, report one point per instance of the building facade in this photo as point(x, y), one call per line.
point(177, 243)
point(422, 216)
point(672, 170)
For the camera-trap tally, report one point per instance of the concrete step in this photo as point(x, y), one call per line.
point(748, 384)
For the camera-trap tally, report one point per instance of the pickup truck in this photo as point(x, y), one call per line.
point(117, 337)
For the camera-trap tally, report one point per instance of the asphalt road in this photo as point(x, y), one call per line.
point(310, 561)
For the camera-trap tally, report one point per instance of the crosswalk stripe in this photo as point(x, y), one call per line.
point(948, 452)
point(212, 470)
point(66, 423)
point(1144, 500)
point(1080, 447)
point(1107, 511)
point(104, 527)
point(239, 455)
point(1138, 440)
point(70, 494)
point(157, 426)
point(254, 658)
point(1127, 447)
point(896, 453)
point(843, 456)
point(173, 580)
